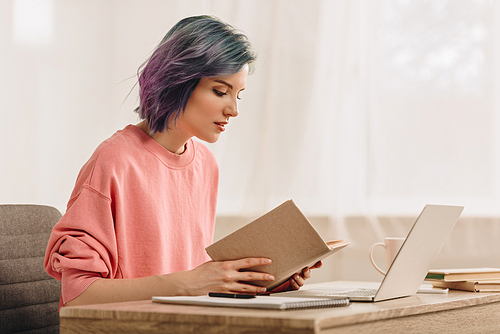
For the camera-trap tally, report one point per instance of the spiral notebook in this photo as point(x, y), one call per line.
point(260, 302)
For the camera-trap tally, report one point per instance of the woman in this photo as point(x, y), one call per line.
point(143, 207)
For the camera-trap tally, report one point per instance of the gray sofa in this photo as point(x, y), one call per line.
point(29, 297)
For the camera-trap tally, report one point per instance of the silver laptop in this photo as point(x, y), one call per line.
point(404, 277)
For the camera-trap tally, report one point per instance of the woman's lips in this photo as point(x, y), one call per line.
point(221, 126)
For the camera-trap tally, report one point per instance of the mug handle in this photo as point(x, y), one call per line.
point(370, 252)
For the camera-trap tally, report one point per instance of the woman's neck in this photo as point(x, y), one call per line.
point(166, 139)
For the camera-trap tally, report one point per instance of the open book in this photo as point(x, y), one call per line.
point(285, 236)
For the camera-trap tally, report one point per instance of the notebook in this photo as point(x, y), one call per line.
point(404, 277)
point(261, 302)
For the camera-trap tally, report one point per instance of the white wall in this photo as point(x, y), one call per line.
point(63, 97)
point(356, 107)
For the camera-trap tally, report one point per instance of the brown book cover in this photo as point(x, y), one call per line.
point(285, 236)
point(474, 286)
point(463, 274)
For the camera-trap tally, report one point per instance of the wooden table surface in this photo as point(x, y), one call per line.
point(455, 312)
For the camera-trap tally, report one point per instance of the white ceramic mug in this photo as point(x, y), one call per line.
point(392, 246)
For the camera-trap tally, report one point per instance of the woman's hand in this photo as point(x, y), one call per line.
point(208, 277)
point(225, 277)
point(297, 280)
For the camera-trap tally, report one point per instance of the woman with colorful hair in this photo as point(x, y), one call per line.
point(143, 207)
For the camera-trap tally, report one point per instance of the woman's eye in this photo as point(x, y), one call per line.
point(219, 93)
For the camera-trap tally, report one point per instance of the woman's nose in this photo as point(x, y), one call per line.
point(232, 110)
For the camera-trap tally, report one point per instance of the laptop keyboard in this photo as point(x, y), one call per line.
point(354, 293)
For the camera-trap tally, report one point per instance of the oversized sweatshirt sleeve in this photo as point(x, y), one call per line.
point(82, 246)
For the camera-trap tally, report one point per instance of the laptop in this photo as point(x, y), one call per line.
point(404, 277)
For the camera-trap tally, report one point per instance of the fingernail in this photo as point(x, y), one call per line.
point(267, 261)
point(262, 290)
point(270, 277)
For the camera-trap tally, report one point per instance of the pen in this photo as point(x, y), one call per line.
point(229, 295)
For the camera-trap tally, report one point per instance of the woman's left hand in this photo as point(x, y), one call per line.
point(297, 280)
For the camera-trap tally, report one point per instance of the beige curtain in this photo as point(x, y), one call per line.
point(356, 106)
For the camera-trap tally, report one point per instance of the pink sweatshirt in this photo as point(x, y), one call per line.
point(136, 210)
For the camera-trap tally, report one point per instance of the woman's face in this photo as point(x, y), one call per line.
point(213, 102)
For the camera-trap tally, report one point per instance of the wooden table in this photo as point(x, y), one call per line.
point(455, 312)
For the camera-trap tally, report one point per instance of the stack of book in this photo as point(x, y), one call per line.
point(468, 279)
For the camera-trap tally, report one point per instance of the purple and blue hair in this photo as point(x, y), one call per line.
point(196, 47)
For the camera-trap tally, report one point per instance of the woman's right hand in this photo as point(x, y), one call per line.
point(208, 277)
point(225, 277)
